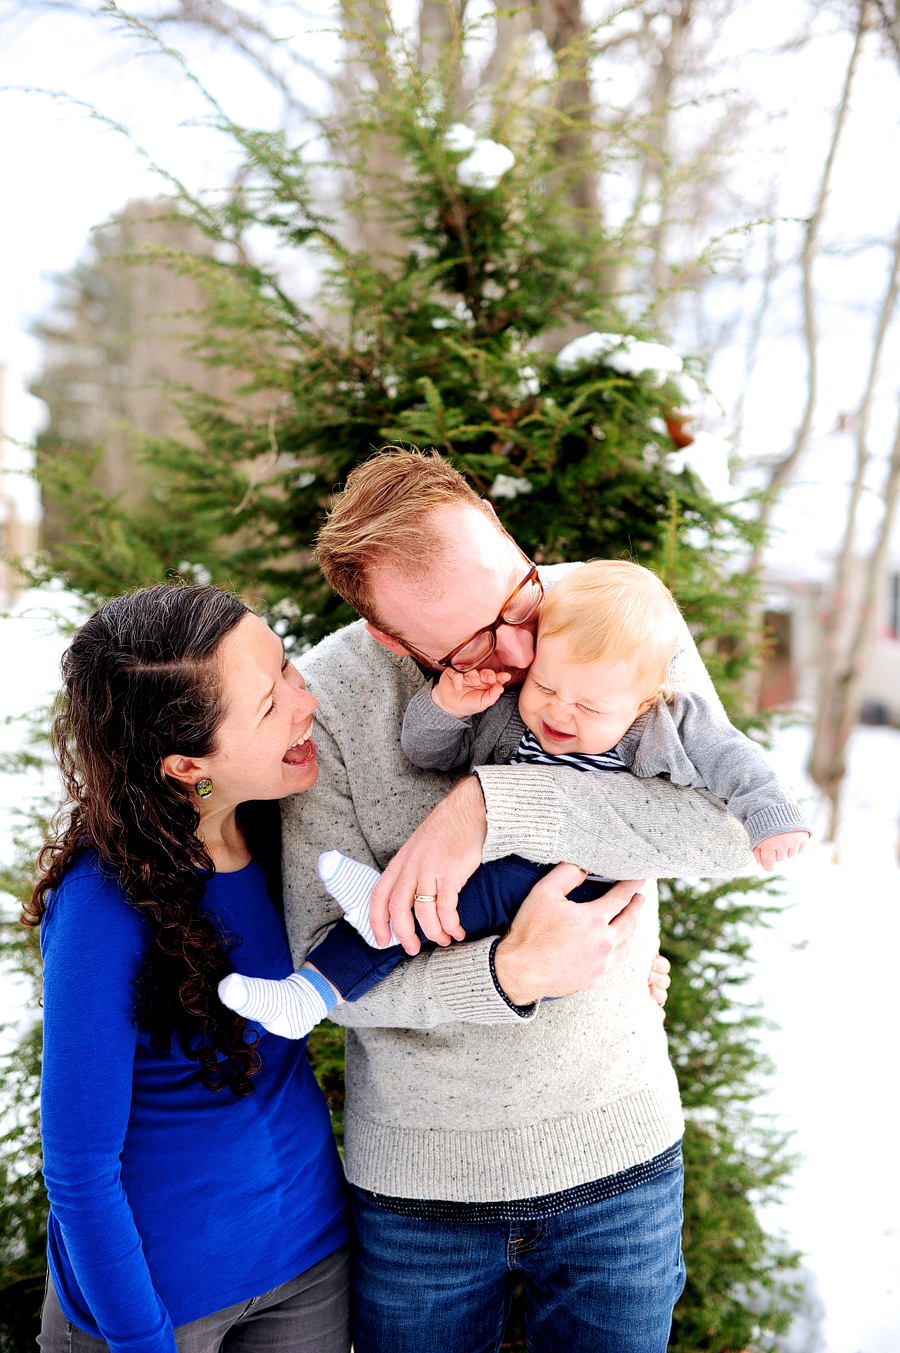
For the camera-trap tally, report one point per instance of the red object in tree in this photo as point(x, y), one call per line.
point(675, 427)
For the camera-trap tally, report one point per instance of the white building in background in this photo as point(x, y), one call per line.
point(22, 417)
point(882, 688)
point(794, 609)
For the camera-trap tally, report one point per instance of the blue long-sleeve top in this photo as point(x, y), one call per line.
point(169, 1201)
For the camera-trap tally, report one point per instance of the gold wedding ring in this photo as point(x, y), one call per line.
point(426, 897)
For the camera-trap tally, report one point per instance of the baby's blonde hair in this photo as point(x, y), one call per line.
point(612, 609)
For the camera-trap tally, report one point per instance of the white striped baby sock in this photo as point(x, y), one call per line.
point(289, 1008)
point(350, 884)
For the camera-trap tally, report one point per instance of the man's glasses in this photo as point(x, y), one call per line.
point(517, 608)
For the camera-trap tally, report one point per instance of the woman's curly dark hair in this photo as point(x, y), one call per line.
point(140, 681)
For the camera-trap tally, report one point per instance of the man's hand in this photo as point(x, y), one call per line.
point(440, 856)
point(463, 693)
point(555, 946)
point(659, 980)
point(784, 846)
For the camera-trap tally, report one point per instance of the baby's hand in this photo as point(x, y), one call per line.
point(784, 846)
point(465, 693)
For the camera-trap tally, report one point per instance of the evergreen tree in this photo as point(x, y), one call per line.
point(448, 341)
point(23, 1198)
point(733, 1160)
point(444, 344)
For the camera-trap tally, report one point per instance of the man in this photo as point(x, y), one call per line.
point(489, 1132)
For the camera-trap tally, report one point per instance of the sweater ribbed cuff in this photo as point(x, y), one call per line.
point(433, 716)
point(774, 819)
point(463, 979)
point(523, 812)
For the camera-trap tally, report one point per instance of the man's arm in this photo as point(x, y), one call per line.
point(457, 984)
point(443, 986)
point(615, 825)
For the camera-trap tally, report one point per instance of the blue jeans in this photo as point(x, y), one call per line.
point(598, 1279)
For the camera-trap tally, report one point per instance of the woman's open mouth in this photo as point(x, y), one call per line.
point(302, 753)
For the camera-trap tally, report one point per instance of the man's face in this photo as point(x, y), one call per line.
point(479, 568)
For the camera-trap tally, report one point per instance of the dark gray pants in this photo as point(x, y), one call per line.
point(308, 1314)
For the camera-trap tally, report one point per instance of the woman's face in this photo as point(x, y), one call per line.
point(263, 747)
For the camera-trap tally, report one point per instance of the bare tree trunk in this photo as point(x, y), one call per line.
point(843, 711)
point(435, 28)
point(751, 352)
point(440, 23)
point(563, 25)
point(371, 230)
point(510, 41)
point(783, 470)
point(652, 186)
point(837, 620)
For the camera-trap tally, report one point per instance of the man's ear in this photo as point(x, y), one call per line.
point(182, 768)
point(388, 641)
point(490, 506)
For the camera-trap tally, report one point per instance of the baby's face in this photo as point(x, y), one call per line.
point(580, 706)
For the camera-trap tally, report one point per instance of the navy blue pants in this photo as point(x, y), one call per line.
point(487, 904)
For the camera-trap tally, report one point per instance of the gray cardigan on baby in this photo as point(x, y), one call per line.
point(450, 1093)
point(684, 739)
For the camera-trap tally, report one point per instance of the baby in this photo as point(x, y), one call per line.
point(595, 699)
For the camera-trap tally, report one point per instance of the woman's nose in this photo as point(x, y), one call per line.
point(306, 702)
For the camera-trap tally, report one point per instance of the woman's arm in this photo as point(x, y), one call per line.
point(93, 945)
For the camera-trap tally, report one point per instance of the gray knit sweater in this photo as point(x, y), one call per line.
point(685, 739)
point(450, 1093)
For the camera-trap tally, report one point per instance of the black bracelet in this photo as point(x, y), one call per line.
point(522, 1010)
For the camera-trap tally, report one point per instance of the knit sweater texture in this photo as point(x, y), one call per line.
point(450, 1093)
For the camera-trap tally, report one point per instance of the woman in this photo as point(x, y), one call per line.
point(196, 1196)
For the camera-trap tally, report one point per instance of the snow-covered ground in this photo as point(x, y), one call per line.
point(827, 975)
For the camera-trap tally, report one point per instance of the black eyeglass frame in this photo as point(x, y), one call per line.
point(447, 661)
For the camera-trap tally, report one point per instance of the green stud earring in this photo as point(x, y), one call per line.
point(204, 787)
